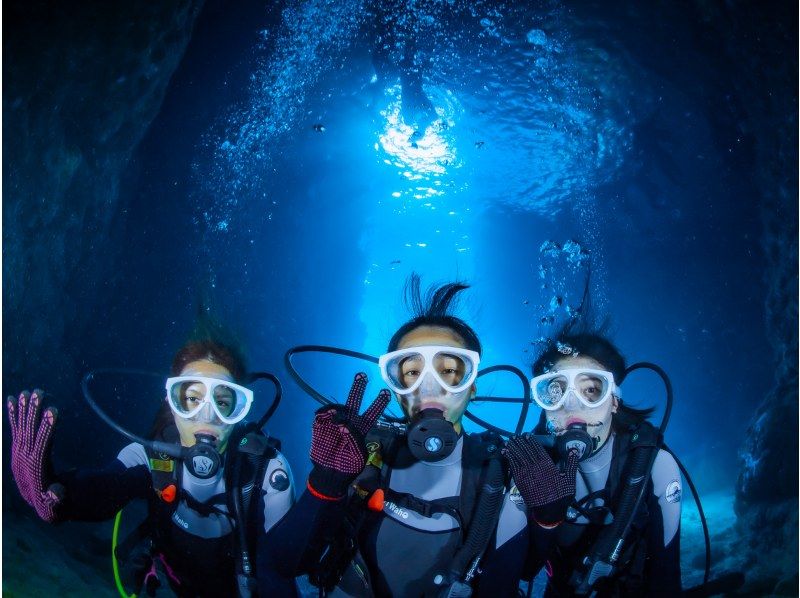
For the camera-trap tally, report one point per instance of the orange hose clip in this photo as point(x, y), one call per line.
point(168, 493)
point(375, 502)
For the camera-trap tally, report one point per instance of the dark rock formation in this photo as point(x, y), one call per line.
point(766, 494)
point(82, 82)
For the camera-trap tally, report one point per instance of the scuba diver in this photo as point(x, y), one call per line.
point(197, 472)
point(415, 507)
point(618, 534)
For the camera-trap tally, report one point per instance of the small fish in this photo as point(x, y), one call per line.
point(319, 128)
point(394, 262)
point(525, 302)
point(480, 144)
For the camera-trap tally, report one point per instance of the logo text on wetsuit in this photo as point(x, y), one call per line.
point(396, 510)
point(673, 493)
point(180, 521)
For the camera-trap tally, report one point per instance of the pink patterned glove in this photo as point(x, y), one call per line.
point(338, 450)
point(546, 488)
point(30, 453)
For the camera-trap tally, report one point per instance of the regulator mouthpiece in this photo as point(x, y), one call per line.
point(202, 460)
point(575, 439)
point(430, 436)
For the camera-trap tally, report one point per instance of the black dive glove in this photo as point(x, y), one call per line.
point(338, 449)
point(546, 488)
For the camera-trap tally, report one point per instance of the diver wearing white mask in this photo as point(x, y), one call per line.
point(214, 486)
point(409, 513)
point(618, 533)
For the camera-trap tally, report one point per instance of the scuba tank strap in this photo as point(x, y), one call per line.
point(600, 515)
point(122, 550)
point(245, 477)
point(165, 470)
point(134, 557)
point(209, 507)
point(426, 508)
point(603, 561)
point(164, 473)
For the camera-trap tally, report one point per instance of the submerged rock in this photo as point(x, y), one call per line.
point(82, 83)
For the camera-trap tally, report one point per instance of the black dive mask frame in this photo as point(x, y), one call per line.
point(402, 423)
point(202, 459)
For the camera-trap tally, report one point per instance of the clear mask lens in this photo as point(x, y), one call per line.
point(405, 370)
point(591, 387)
point(188, 396)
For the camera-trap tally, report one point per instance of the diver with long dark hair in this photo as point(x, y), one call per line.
point(618, 533)
point(416, 507)
point(208, 511)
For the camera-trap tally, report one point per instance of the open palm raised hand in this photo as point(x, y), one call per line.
point(31, 436)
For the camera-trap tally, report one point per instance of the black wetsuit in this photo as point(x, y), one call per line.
point(197, 546)
point(400, 551)
point(654, 566)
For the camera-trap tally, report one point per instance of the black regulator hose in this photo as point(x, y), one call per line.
point(312, 392)
point(604, 558)
point(646, 365)
point(323, 400)
point(275, 402)
point(484, 519)
point(287, 360)
point(239, 515)
point(728, 582)
point(526, 401)
point(173, 450)
point(652, 454)
point(700, 511)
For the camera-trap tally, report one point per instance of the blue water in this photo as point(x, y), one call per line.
point(536, 141)
point(299, 170)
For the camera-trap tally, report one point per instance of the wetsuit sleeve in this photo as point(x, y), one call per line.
point(662, 567)
point(502, 566)
point(97, 494)
point(277, 498)
point(277, 491)
point(539, 540)
point(294, 544)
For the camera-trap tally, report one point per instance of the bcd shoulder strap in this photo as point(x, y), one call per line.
point(251, 454)
point(254, 450)
point(481, 494)
point(630, 468)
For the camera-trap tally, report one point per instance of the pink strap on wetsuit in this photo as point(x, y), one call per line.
point(153, 573)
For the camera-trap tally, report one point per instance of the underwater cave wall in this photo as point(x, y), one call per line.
point(763, 40)
point(82, 83)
